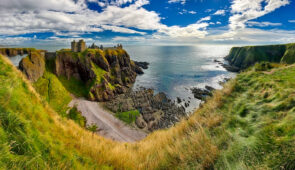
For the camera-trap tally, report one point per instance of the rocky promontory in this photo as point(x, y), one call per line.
point(107, 72)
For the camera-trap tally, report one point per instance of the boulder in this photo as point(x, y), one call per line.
point(143, 65)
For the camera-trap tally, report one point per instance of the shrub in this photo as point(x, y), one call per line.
point(129, 116)
point(76, 115)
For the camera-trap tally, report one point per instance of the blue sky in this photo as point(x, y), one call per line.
point(175, 22)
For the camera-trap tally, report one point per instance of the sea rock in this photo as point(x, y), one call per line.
point(178, 100)
point(201, 94)
point(143, 65)
point(230, 68)
point(209, 88)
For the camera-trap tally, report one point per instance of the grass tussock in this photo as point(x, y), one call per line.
point(247, 125)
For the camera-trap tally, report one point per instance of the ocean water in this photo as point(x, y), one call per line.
point(176, 69)
point(16, 59)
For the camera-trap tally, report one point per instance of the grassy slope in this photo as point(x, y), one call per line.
point(259, 121)
point(248, 124)
point(51, 89)
point(31, 135)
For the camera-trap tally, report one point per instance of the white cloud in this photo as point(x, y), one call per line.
point(219, 12)
point(184, 11)
point(245, 10)
point(36, 18)
point(121, 29)
point(177, 1)
point(254, 36)
point(131, 38)
point(24, 5)
point(196, 30)
point(204, 19)
point(263, 24)
point(291, 21)
point(218, 22)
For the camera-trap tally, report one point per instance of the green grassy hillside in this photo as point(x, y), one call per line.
point(243, 57)
point(30, 135)
point(247, 125)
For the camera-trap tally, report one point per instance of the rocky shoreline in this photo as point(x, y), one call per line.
point(157, 111)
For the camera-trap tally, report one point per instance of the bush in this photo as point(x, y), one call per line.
point(263, 66)
point(129, 116)
point(76, 115)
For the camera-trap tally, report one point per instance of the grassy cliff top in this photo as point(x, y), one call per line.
point(247, 125)
point(243, 57)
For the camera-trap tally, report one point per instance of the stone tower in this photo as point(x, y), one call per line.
point(74, 46)
point(81, 46)
point(78, 46)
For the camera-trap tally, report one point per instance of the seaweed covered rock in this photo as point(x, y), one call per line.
point(106, 72)
point(33, 66)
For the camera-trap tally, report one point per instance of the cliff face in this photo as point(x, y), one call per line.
point(243, 57)
point(107, 72)
point(33, 66)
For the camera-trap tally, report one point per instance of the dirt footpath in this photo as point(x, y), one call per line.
point(108, 125)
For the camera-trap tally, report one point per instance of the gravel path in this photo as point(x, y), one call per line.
point(108, 125)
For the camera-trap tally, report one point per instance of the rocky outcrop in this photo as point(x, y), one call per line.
point(202, 94)
point(33, 66)
point(143, 65)
point(157, 111)
point(109, 72)
point(241, 58)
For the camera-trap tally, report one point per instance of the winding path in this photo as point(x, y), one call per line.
point(109, 126)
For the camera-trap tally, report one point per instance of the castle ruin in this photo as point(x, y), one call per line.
point(78, 46)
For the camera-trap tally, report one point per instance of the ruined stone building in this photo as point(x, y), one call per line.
point(78, 46)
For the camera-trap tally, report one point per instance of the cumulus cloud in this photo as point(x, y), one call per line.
point(245, 10)
point(196, 30)
point(291, 21)
point(131, 19)
point(50, 17)
point(204, 19)
point(219, 12)
point(24, 5)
